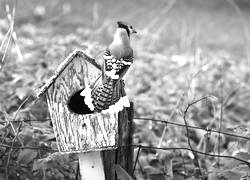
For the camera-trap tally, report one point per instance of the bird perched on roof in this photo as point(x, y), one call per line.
point(117, 58)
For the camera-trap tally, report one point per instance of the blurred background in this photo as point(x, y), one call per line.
point(185, 51)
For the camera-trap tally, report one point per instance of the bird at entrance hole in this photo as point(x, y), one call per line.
point(101, 95)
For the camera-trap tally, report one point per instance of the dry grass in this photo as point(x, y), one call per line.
point(183, 53)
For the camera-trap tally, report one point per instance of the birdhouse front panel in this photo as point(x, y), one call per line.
point(76, 128)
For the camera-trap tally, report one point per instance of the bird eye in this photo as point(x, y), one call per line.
point(130, 27)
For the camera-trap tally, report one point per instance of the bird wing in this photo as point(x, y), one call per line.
point(116, 67)
point(105, 89)
point(127, 62)
point(102, 77)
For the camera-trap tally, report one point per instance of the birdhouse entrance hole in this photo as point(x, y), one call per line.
point(77, 105)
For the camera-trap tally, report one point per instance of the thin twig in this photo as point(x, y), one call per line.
point(186, 124)
point(11, 149)
point(15, 116)
point(198, 152)
point(4, 39)
point(17, 133)
point(136, 160)
point(8, 122)
point(141, 169)
point(221, 118)
point(170, 117)
point(142, 147)
point(192, 127)
point(6, 48)
point(11, 18)
point(154, 120)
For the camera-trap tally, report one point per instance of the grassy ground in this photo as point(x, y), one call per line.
point(183, 52)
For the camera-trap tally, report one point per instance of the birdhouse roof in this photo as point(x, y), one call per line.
point(77, 53)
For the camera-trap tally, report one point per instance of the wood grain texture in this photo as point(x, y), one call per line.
point(77, 53)
point(123, 155)
point(75, 132)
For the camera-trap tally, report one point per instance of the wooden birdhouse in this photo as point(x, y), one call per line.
point(76, 128)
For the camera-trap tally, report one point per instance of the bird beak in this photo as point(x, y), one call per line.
point(134, 31)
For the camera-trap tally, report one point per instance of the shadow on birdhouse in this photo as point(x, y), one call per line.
point(76, 127)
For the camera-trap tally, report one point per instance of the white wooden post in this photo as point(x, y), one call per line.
point(91, 166)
